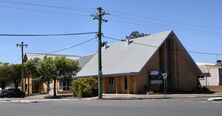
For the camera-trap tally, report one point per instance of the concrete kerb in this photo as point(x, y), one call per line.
point(169, 96)
point(19, 101)
point(131, 98)
point(31, 101)
point(23, 100)
point(118, 97)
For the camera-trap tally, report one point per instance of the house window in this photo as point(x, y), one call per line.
point(111, 80)
point(125, 83)
point(64, 85)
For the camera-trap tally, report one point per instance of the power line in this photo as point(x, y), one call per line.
point(195, 52)
point(129, 18)
point(16, 60)
point(203, 30)
point(43, 5)
point(161, 26)
point(119, 13)
point(43, 11)
point(63, 49)
point(133, 42)
point(64, 34)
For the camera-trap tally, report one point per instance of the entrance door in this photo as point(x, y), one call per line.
point(112, 83)
point(35, 86)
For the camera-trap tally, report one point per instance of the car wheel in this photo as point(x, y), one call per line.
point(9, 96)
point(22, 96)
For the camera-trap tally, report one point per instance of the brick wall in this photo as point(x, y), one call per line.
point(215, 88)
point(187, 75)
point(142, 79)
point(181, 72)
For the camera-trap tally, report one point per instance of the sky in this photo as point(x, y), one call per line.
point(197, 23)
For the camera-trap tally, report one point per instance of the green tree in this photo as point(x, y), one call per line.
point(66, 69)
point(52, 69)
point(32, 67)
point(47, 71)
point(3, 74)
point(14, 74)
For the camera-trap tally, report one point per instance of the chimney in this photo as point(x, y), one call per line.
point(219, 63)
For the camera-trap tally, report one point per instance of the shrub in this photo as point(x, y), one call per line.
point(83, 87)
point(204, 90)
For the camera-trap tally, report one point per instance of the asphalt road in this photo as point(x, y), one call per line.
point(113, 108)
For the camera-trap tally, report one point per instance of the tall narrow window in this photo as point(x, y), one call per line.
point(111, 80)
point(125, 83)
point(68, 84)
point(64, 85)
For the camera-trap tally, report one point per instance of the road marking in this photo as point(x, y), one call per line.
point(216, 102)
point(202, 101)
point(215, 99)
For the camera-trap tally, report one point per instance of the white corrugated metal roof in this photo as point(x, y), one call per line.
point(84, 60)
point(121, 58)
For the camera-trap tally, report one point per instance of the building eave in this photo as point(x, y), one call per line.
point(109, 75)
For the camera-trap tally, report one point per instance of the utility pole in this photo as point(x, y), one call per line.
point(22, 70)
point(99, 16)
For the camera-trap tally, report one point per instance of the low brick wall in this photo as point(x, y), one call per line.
point(215, 88)
point(64, 92)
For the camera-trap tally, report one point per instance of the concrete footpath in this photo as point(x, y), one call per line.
point(43, 98)
point(157, 96)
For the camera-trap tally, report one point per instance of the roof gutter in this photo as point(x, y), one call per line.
point(109, 75)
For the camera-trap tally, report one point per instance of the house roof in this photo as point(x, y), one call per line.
point(81, 59)
point(84, 60)
point(42, 55)
point(121, 58)
point(206, 68)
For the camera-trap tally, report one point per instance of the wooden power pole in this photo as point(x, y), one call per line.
point(22, 70)
point(99, 16)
